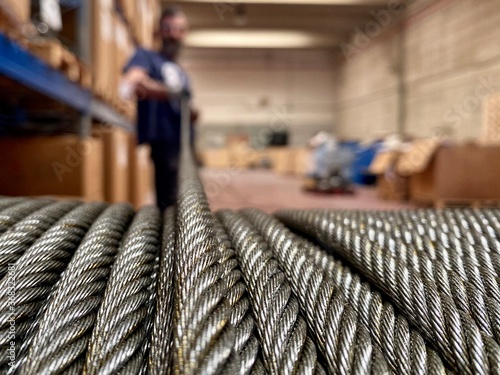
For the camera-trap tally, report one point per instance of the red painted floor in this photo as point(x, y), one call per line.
point(270, 192)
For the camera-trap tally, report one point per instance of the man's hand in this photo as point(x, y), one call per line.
point(136, 82)
point(195, 114)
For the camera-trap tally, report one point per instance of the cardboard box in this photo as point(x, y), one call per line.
point(104, 49)
point(124, 46)
point(216, 158)
point(58, 165)
point(141, 175)
point(452, 173)
point(17, 10)
point(490, 134)
point(116, 165)
point(282, 159)
point(303, 161)
point(390, 184)
point(147, 12)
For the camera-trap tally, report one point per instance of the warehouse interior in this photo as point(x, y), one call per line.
point(397, 88)
point(250, 187)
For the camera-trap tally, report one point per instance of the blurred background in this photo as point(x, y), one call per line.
point(303, 103)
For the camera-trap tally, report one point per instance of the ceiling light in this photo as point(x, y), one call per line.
point(256, 39)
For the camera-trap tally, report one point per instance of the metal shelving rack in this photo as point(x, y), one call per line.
point(21, 66)
point(29, 71)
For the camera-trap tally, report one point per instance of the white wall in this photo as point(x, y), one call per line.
point(236, 89)
point(452, 63)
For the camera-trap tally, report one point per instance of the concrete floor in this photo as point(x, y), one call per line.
point(270, 192)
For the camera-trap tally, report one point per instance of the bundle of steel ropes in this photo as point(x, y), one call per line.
point(91, 288)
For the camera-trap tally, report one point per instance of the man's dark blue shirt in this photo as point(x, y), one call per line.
point(158, 121)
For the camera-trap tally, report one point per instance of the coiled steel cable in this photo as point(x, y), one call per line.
point(160, 353)
point(13, 213)
point(404, 349)
point(460, 242)
point(120, 336)
point(386, 229)
point(467, 349)
point(380, 229)
point(482, 234)
point(38, 270)
point(64, 330)
point(286, 347)
point(460, 253)
point(337, 331)
point(6, 202)
point(16, 240)
point(204, 338)
point(245, 358)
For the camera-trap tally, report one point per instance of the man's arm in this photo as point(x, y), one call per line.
point(136, 81)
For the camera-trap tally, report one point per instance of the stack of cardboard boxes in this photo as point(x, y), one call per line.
point(142, 18)
point(112, 45)
point(431, 171)
point(65, 166)
point(128, 170)
point(109, 166)
point(282, 160)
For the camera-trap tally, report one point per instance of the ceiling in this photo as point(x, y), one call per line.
point(275, 23)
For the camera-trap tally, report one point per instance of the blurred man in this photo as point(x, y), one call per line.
point(157, 81)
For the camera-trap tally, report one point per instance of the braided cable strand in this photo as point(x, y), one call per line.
point(12, 213)
point(390, 332)
point(204, 338)
point(6, 202)
point(379, 230)
point(160, 354)
point(336, 328)
point(460, 255)
point(15, 241)
point(245, 358)
point(38, 270)
point(467, 287)
point(433, 311)
point(287, 348)
point(485, 236)
point(119, 339)
point(65, 328)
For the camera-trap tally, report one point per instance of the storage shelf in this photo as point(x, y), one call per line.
point(104, 113)
point(28, 70)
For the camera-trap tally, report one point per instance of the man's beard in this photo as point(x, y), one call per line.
point(171, 49)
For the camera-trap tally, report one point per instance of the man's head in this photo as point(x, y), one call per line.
point(173, 27)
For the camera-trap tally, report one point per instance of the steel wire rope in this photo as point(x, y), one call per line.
point(454, 332)
point(37, 271)
point(64, 331)
point(403, 347)
point(119, 341)
point(286, 345)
